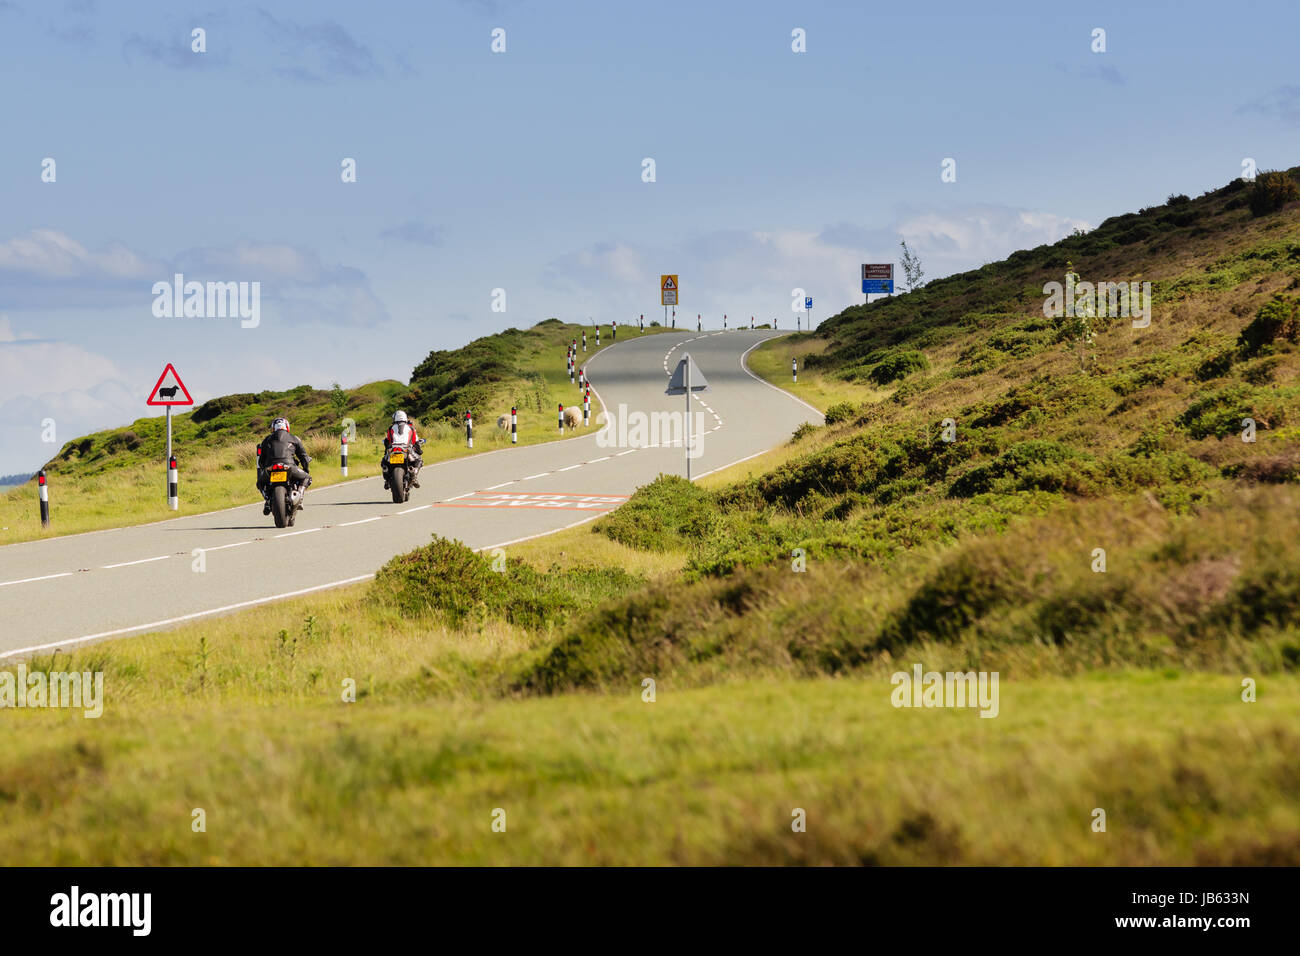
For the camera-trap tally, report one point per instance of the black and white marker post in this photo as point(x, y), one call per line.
point(584, 340)
point(469, 430)
point(172, 501)
point(514, 425)
point(561, 418)
point(642, 321)
point(343, 453)
point(586, 406)
point(687, 378)
point(794, 370)
point(45, 498)
point(598, 336)
point(699, 324)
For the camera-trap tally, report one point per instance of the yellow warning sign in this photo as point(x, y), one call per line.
point(668, 290)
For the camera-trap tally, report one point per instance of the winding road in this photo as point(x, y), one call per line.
point(65, 591)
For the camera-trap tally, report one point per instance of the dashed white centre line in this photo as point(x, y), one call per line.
point(409, 510)
point(594, 460)
point(571, 467)
point(222, 547)
point(361, 521)
point(43, 577)
point(290, 534)
point(465, 495)
point(495, 487)
point(125, 564)
point(622, 453)
point(531, 477)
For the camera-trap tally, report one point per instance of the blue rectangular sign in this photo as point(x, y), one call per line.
point(807, 302)
point(877, 286)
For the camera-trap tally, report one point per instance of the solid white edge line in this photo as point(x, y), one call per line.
point(43, 577)
point(409, 510)
point(127, 564)
point(290, 534)
point(569, 468)
point(222, 547)
point(757, 378)
point(360, 521)
point(185, 617)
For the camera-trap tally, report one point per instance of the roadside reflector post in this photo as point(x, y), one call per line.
point(561, 418)
point(514, 425)
point(584, 340)
point(642, 321)
point(45, 498)
point(598, 336)
point(699, 325)
point(173, 500)
point(469, 430)
point(794, 369)
point(724, 321)
point(586, 406)
point(343, 454)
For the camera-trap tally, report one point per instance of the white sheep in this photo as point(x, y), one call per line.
point(503, 421)
point(572, 417)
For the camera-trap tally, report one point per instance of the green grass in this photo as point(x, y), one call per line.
point(1186, 772)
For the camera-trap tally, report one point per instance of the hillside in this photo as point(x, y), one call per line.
point(1095, 532)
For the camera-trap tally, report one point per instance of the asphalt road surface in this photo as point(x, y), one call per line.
point(64, 591)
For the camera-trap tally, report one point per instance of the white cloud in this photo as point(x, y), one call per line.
point(51, 254)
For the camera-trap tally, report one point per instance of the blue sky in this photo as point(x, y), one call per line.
point(522, 170)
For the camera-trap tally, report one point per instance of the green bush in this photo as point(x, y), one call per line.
point(446, 578)
point(840, 412)
point(896, 365)
point(668, 514)
point(1278, 318)
point(1270, 192)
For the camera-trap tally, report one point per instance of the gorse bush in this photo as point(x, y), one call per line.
point(1278, 319)
point(1271, 191)
point(448, 579)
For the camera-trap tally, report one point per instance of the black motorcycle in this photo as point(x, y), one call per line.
point(285, 495)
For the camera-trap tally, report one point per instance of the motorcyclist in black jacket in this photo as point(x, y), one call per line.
point(281, 448)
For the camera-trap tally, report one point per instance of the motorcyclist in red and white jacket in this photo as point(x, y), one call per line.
point(402, 432)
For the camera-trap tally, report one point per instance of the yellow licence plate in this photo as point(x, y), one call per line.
point(396, 458)
point(279, 476)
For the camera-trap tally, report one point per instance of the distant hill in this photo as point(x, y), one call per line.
point(16, 479)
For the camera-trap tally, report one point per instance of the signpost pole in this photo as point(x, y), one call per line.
point(688, 421)
point(169, 456)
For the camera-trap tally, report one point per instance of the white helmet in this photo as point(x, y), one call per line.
point(280, 424)
point(399, 416)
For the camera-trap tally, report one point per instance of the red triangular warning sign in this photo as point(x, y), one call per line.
point(165, 393)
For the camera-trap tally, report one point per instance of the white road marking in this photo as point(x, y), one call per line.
point(185, 617)
point(127, 564)
point(502, 485)
point(222, 547)
point(43, 577)
point(594, 460)
point(465, 495)
point(571, 467)
point(409, 510)
point(622, 453)
point(531, 477)
point(361, 521)
point(290, 534)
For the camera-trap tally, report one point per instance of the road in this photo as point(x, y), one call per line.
point(64, 591)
